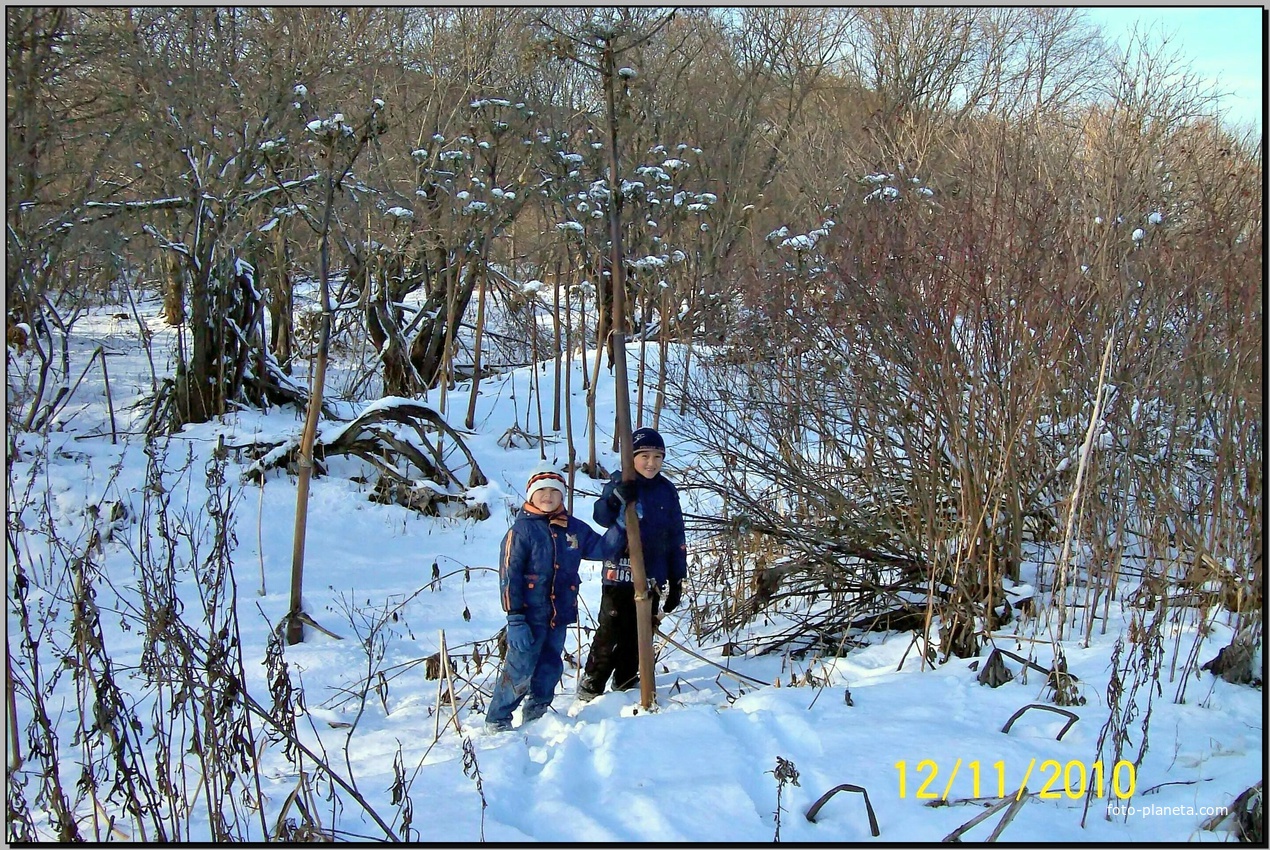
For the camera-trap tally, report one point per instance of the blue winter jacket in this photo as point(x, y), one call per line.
point(661, 530)
point(538, 570)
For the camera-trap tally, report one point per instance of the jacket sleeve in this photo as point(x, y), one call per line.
point(607, 506)
point(678, 567)
point(602, 547)
point(511, 570)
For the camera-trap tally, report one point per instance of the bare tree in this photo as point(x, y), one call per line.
point(62, 124)
point(470, 186)
point(204, 191)
point(932, 69)
point(931, 364)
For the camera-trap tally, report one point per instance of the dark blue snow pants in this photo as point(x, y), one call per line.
point(535, 672)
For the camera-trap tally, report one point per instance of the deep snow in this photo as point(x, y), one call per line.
point(698, 769)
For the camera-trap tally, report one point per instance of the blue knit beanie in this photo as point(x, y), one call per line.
point(646, 439)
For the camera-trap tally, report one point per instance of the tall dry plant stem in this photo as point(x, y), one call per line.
point(295, 627)
point(570, 447)
point(643, 603)
point(332, 181)
point(1095, 420)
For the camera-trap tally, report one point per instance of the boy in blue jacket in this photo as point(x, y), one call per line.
point(538, 582)
point(615, 646)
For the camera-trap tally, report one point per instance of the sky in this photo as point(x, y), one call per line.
point(1225, 45)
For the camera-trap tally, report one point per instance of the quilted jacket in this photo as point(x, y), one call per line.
point(538, 569)
point(661, 530)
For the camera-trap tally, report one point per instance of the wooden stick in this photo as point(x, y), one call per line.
point(956, 834)
point(441, 682)
point(740, 677)
point(449, 683)
point(15, 752)
point(1015, 805)
point(110, 405)
point(260, 540)
point(643, 604)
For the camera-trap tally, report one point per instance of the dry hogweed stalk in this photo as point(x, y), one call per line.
point(472, 770)
point(785, 773)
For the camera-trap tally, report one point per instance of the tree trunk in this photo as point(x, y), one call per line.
point(663, 347)
point(683, 399)
point(555, 318)
point(470, 422)
point(174, 289)
point(600, 334)
point(568, 393)
point(281, 304)
point(452, 317)
point(198, 396)
point(586, 381)
point(223, 311)
point(428, 348)
point(535, 387)
point(643, 367)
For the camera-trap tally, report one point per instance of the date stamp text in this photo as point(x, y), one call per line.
point(1073, 779)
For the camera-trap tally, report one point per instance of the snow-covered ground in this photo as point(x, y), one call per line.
point(702, 766)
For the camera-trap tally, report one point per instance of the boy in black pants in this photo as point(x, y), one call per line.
point(615, 646)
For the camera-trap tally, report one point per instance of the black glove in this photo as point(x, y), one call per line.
point(626, 492)
point(674, 595)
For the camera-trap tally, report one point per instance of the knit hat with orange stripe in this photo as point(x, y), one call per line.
point(545, 476)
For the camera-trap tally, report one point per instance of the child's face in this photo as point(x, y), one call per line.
point(547, 499)
point(648, 463)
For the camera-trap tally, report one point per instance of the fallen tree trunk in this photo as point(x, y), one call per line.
point(401, 439)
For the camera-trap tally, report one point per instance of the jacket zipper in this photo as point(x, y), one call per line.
point(555, 569)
